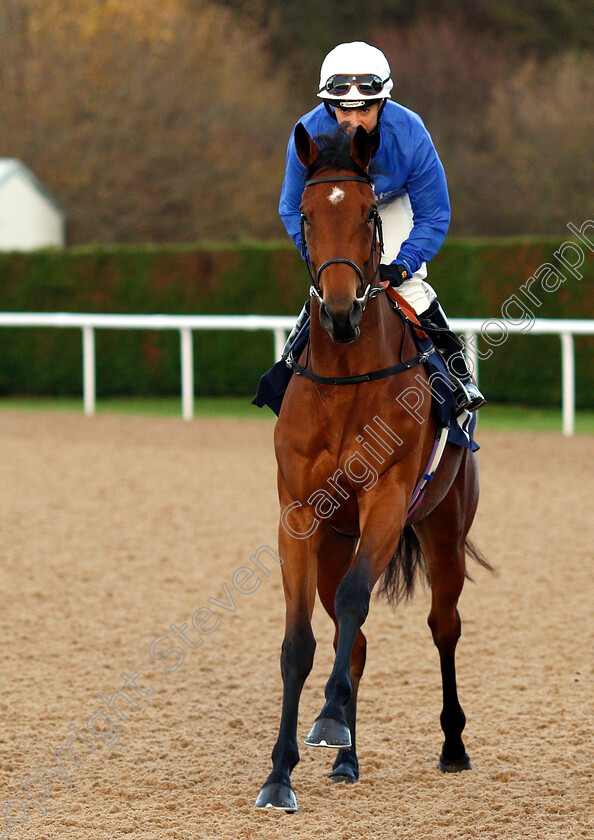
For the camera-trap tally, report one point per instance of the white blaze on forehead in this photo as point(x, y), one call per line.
point(336, 195)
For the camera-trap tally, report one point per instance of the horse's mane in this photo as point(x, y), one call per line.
point(335, 153)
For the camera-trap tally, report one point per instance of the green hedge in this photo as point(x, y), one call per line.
point(473, 278)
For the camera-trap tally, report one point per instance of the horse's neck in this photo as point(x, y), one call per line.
point(377, 346)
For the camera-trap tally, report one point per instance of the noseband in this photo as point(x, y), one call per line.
point(368, 290)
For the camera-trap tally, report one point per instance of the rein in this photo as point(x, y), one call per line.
point(369, 290)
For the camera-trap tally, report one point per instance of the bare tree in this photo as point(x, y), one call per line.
point(513, 131)
point(167, 120)
point(149, 120)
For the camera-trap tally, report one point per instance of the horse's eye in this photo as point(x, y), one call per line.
point(304, 219)
point(371, 216)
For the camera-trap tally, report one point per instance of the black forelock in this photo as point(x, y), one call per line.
point(335, 153)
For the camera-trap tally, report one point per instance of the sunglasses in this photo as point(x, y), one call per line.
point(367, 85)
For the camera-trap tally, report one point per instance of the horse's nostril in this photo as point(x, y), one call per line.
point(355, 314)
point(325, 319)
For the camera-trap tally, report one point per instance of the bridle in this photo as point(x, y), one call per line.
point(369, 290)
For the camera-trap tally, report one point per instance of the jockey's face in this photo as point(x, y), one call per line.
point(350, 119)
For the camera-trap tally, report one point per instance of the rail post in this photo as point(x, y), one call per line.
point(89, 370)
point(568, 383)
point(280, 336)
point(470, 351)
point(187, 373)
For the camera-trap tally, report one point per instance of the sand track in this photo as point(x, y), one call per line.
point(115, 528)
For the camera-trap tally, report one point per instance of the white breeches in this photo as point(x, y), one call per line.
point(397, 223)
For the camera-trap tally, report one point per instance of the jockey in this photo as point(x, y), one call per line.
point(409, 183)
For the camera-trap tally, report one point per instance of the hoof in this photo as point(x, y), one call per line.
point(329, 733)
point(343, 777)
point(456, 766)
point(278, 796)
point(344, 772)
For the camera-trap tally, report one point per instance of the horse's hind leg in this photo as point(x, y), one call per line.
point(335, 556)
point(442, 536)
point(299, 581)
point(447, 579)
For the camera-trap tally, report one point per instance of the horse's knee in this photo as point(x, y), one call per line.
point(297, 652)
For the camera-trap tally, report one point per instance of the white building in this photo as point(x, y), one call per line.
point(29, 215)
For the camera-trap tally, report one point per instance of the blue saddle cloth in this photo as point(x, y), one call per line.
point(275, 382)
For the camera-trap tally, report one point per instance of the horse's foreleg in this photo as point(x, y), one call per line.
point(351, 606)
point(346, 765)
point(299, 580)
point(335, 557)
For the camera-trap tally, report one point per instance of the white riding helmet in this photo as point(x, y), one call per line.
point(355, 72)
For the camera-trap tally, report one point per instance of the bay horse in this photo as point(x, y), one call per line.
point(349, 458)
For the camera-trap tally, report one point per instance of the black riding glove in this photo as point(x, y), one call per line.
point(394, 274)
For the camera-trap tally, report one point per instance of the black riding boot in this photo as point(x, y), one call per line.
point(450, 348)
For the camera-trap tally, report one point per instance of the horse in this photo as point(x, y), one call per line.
point(350, 454)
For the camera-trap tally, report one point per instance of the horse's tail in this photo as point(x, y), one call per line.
point(399, 578)
point(478, 557)
point(409, 563)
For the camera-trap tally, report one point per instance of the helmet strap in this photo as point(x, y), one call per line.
point(330, 110)
point(374, 136)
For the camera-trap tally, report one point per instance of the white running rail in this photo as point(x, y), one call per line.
point(280, 326)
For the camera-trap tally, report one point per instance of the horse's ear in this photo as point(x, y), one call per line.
point(307, 151)
point(360, 147)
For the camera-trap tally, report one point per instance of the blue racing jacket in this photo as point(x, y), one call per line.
point(405, 162)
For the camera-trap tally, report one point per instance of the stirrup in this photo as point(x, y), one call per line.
point(469, 397)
